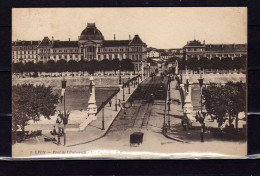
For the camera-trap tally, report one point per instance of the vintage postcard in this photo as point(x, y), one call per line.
point(129, 82)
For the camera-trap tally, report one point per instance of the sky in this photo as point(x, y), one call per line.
point(162, 28)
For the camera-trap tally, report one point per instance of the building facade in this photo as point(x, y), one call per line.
point(91, 45)
point(153, 53)
point(197, 49)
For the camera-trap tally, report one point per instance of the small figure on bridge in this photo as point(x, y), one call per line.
point(110, 103)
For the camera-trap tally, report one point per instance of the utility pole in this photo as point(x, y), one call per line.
point(123, 91)
point(103, 116)
point(63, 85)
point(129, 88)
point(116, 102)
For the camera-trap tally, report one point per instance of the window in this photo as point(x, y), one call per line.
point(116, 49)
point(140, 56)
point(98, 49)
point(105, 56)
point(116, 57)
point(65, 51)
point(133, 57)
point(60, 56)
point(110, 49)
point(82, 50)
point(121, 50)
point(55, 57)
point(98, 56)
point(71, 56)
point(110, 57)
point(104, 49)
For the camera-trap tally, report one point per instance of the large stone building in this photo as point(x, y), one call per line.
point(90, 45)
point(197, 49)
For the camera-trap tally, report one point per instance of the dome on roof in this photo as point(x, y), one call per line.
point(91, 33)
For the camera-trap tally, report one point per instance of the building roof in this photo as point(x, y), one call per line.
point(194, 43)
point(25, 43)
point(226, 47)
point(115, 43)
point(64, 44)
point(91, 32)
point(45, 42)
point(136, 41)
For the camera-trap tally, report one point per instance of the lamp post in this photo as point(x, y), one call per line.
point(116, 102)
point(201, 84)
point(123, 91)
point(103, 116)
point(169, 108)
point(120, 79)
point(65, 118)
point(129, 86)
point(202, 120)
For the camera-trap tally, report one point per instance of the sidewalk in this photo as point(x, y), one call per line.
point(94, 130)
point(176, 109)
point(174, 117)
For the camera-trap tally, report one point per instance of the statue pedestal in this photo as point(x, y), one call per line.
point(92, 107)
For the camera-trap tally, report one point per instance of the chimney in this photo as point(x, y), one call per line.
point(129, 37)
point(31, 42)
point(114, 36)
point(78, 37)
point(203, 42)
point(234, 46)
point(69, 39)
point(52, 39)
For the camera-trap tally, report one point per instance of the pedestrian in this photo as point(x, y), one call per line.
point(110, 103)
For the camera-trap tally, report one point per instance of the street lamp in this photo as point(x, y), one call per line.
point(120, 79)
point(123, 91)
point(201, 84)
point(202, 114)
point(169, 108)
point(129, 86)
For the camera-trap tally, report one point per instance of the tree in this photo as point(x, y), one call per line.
point(227, 63)
point(72, 66)
point(50, 66)
point(115, 64)
point(29, 67)
point(240, 62)
point(39, 66)
point(127, 64)
point(93, 66)
point(18, 67)
point(30, 102)
point(225, 101)
point(105, 65)
point(215, 102)
point(235, 94)
point(204, 62)
point(83, 66)
point(61, 66)
point(192, 63)
point(215, 63)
